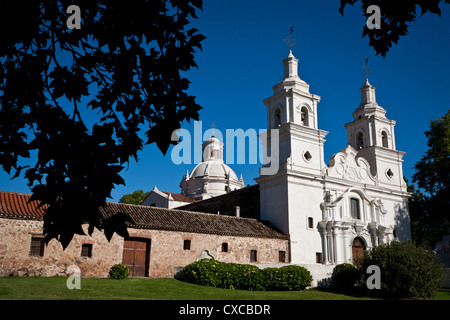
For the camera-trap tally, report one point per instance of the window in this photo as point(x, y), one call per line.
point(224, 247)
point(253, 256)
point(86, 250)
point(304, 116)
point(354, 208)
point(318, 257)
point(281, 256)
point(307, 156)
point(37, 246)
point(384, 139)
point(153, 204)
point(277, 119)
point(310, 223)
point(187, 245)
point(390, 174)
point(359, 140)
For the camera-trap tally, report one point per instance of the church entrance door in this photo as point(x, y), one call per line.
point(358, 248)
point(136, 256)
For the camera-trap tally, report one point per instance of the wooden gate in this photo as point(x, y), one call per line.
point(358, 248)
point(136, 256)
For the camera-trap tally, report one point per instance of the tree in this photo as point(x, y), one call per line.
point(396, 17)
point(430, 204)
point(134, 198)
point(81, 98)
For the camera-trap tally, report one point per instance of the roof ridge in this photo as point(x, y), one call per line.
point(180, 210)
point(15, 206)
point(14, 192)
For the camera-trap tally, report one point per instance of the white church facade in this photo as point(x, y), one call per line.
point(306, 212)
point(332, 212)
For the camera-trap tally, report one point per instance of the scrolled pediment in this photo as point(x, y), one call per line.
point(346, 166)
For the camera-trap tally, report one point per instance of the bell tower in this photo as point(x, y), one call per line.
point(372, 135)
point(292, 109)
point(287, 195)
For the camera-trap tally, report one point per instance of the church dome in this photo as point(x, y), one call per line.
point(213, 169)
point(211, 177)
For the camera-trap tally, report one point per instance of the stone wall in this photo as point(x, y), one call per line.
point(15, 259)
point(166, 251)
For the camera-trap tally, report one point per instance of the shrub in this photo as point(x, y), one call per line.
point(271, 278)
point(209, 272)
point(345, 276)
point(204, 272)
point(119, 271)
point(289, 278)
point(407, 271)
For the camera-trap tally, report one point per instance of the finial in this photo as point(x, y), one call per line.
point(290, 40)
point(213, 126)
point(365, 71)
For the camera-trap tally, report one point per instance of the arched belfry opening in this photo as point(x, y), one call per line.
point(277, 118)
point(384, 139)
point(359, 140)
point(304, 116)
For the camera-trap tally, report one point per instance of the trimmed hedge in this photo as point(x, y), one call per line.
point(345, 275)
point(210, 272)
point(287, 278)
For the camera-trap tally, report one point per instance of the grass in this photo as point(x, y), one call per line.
point(54, 288)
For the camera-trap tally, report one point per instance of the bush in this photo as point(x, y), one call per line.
point(119, 271)
point(271, 278)
point(289, 278)
point(345, 276)
point(407, 271)
point(209, 272)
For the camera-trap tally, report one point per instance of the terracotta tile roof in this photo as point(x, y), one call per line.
point(16, 205)
point(189, 221)
point(179, 197)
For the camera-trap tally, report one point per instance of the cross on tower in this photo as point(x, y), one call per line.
point(365, 71)
point(290, 40)
point(213, 126)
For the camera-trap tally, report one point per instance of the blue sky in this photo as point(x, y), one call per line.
point(241, 61)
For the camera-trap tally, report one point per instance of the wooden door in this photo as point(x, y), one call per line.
point(358, 248)
point(136, 256)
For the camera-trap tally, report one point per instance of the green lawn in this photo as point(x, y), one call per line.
point(32, 288)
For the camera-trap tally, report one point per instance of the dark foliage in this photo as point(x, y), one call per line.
point(430, 202)
point(396, 17)
point(345, 276)
point(407, 271)
point(123, 66)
